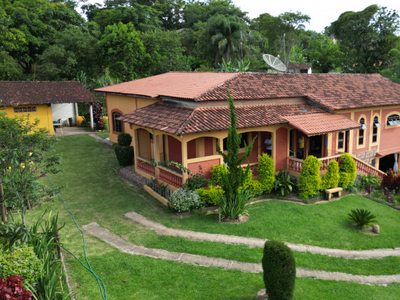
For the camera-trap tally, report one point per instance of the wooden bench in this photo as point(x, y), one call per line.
point(329, 192)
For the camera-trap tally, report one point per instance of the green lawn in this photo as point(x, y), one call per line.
point(94, 193)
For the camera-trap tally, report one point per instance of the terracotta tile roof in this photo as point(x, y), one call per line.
point(335, 91)
point(321, 123)
point(178, 120)
point(167, 118)
point(14, 93)
point(388, 151)
point(173, 84)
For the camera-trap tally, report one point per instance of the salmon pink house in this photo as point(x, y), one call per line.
point(181, 117)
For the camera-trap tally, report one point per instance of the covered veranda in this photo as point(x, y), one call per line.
point(189, 137)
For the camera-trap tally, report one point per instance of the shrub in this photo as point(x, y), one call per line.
point(369, 183)
point(105, 123)
point(123, 150)
point(331, 178)
point(196, 181)
point(283, 184)
point(279, 270)
point(266, 171)
point(185, 200)
point(254, 187)
point(231, 208)
point(391, 181)
point(21, 261)
point(14, 234)
point(361, 217)
point(124, 155)
point(210, 196)
point(11, 288)
point(347, 170)
point(309, 180)
point(124, 139)
point(216, 174)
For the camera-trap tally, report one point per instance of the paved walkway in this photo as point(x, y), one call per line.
point(256, 242)
point(126, 247)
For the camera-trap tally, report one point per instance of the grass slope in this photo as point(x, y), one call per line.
point(94, 193)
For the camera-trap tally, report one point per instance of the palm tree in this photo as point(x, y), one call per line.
point(226, 35)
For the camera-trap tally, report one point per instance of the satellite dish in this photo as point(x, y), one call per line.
point(274, 62)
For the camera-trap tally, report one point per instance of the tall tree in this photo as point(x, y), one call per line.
point(200, 11)
point(366, 37)
point(282, 32)
point(123, 52)
point(165, 51)
point(35, 23)
point(323, 53)
point(74, 51)
point(142, 17)
point(393, 71)
point(225, 36)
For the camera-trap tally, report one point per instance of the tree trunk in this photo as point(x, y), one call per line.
point(3, 208)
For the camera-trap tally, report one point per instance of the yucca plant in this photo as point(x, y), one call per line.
point(361, 217)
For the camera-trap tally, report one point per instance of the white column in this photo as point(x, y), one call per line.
point(76, 114)
point(91, 117)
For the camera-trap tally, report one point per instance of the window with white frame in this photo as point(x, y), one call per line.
point(375, 130)
point(393, 120)
point(361, 132)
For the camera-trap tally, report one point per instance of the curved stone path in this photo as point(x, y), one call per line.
point(200, 260)
point(256, 242)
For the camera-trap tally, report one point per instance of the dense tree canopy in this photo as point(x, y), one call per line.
point(366, 37)
point(127, 39)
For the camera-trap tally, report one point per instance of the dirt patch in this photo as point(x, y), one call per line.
point(366, 230)
point(240, 220)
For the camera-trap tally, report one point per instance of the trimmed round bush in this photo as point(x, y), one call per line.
point(309, 180)
point(216, 174)
point(210, 196)
point(124, 154)
point(124, 139)
point(279, 270)
point(185, 200)
point(347, 170)
point(266, 171)
point(21, 261)
point(331, 178)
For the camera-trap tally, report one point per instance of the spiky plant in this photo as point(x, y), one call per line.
point(361, 217)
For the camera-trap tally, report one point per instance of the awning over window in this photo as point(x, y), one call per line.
point(321, 123)
point(385, 152)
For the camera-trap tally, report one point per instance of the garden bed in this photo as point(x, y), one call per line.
point(157, 196)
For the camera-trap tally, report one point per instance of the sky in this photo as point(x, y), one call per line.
point(322, 13)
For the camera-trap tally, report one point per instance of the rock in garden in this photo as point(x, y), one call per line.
point(376, 229)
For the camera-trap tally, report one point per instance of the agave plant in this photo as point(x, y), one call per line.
point(283, 184)
point(361, 217)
